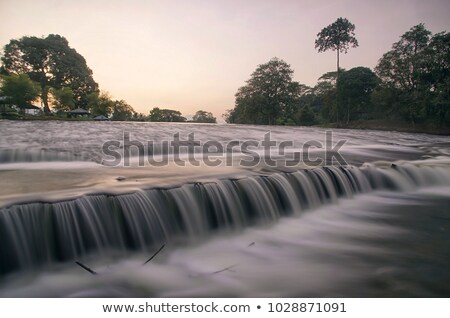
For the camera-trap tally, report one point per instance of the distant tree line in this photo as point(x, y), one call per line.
point(50, 70)
point(411, 83)
point(169, 115)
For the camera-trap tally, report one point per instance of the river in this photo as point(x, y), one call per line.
point(240, 211)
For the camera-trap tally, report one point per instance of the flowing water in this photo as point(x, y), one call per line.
point(376, 226)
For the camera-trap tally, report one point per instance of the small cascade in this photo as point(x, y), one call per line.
point(41, 233)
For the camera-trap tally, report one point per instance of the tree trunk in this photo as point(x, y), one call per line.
point(44, 96)
point(337, 90)
point(348, 112)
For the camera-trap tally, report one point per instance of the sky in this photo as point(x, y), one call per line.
point(191, 55)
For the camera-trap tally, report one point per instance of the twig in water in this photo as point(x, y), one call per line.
point(156, 253)
point(86, 268)
point(225, 269)
point(251, 244)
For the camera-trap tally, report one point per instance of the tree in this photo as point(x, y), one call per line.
point(410, 71)
point(326, 94)
point(306, 116)
point(19, 90)
point(355, 92)
point(165, 115)
point(51, 63)
point(202, 116)
point(121, 110)
point(435, 78)
point(400, 67)
point(63, 99)
point(269, 94)
point(100, 103)
point(338, 36)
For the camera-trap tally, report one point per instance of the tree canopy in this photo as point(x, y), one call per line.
point(165, 115)
point(415, 76)
point(52, 63)
point(269, 94)
point(355, 92)
point(100, 103)
point(19, 90)
point(63, 99)
point(338, 36)
point(121, 110)
point(202, 116)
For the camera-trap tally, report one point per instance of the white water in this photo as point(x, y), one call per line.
point(374, 230)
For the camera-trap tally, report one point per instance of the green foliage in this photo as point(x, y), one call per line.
point(51, 63)
point(326, 93)
point(100, 104)
point(338, 36)
point(202, 116)
point(63, 99)
point(165, 115)
point(122, 111)
point(139, 117)
point(268, 97)
point(355, 92)
point(19, 90)
point(306, 116)
point(415, 77)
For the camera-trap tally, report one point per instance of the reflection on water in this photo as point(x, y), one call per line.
point(369, 229)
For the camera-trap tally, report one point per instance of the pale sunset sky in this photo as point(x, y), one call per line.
point(191, 55)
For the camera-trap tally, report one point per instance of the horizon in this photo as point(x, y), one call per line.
point(195, 56)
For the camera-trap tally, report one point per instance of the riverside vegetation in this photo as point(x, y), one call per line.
point(409, 89)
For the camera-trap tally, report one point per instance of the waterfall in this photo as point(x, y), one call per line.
point(38, 155)
point(40, 233)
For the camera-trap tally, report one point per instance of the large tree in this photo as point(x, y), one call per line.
point(338, 36)
point(415, 76)
point(51, 62)
point(269, 94)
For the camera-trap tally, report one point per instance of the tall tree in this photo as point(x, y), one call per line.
point(338, 36)
point(268, 95)
point(19, 90)
point(51, 63)
point(402, 71)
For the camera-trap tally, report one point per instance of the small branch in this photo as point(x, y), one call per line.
point(225, 269)
point(251, 244)
point(86, 268)
point(156, 253)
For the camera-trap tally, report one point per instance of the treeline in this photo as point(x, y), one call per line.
point(49, 70)
point(410, 84)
